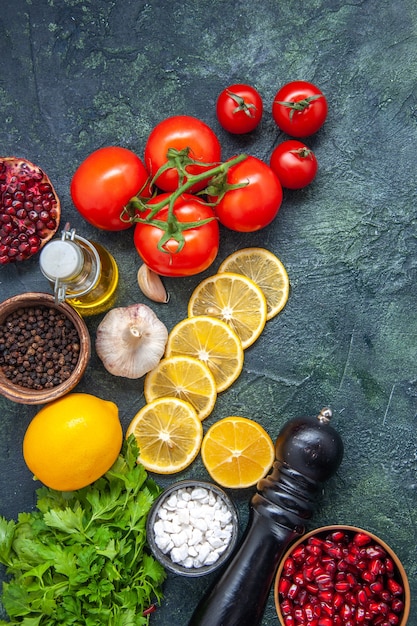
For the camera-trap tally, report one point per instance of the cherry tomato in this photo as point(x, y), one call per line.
point(239, 108)
point(299, 108)
point(104, 183)
point(181, 132)
point(294, 164)
point(254, 205)
point(201, 243)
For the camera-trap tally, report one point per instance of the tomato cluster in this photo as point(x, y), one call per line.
point(177, 196)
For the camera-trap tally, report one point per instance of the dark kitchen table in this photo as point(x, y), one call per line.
point(77, 75)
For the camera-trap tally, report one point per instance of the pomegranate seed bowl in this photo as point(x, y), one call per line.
point(341, 576)
point(44, 348)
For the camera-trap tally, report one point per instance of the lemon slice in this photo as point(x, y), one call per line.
point(237, 452)
point(186, 378)
point(168, 433)
point(266, 270)
point(236, 300)
point(213, 342)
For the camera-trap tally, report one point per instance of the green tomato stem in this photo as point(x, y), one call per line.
point(172, 228)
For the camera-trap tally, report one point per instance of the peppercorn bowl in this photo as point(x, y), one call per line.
point(192, 528)
point(341, 575)
point(44, 348)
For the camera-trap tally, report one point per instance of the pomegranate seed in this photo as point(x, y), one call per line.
point(375, 550)
point(324, 581)
point(342, 586)
point(298, 578)
point(393, 619)
point(326, 621)
point(327, 609)
point(337, 536)
point(308, 573)
point(289, 567)
point(299, 615)
point(389, 566)
point(361, 539)
point(337, 601)
point(397, 605)
point(299, 553)
point(284, 585)
point(325, 596)
point(289, 620)
point(360, 615)
point(286, 607)
point(292, 591)
point(376, 587)
point(376, 566)
point(312, 588)
point(394, 587)
point(345, 612)
point(368, 576)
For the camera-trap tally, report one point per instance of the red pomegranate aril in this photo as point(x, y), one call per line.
point(289, 620)
point(368, 576)
point(299, 553)
point(312, 588)
point(376, 587)
point(345, 611)
point(324, 581)
point(374, 551)
point(286, 607)
point(393, 619)
point(337, 536)
point(394, 587)
point(299, 615)
point(389, 566)
point(325, 596)
point(292, 591)
point(342, 586)
point(337, 601)
point(360, 615)
point(397, 605)
point(284, 585)
point(308, 573)
point(326, 621)
point(361, 539)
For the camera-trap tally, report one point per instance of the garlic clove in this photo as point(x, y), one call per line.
point(151, 285)
point(130, 341)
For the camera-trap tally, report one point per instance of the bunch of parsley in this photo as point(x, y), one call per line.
point(81, 557)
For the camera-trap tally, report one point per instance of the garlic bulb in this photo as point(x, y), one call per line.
point(131, 340)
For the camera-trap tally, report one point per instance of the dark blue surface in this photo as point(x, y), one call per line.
point(79, 75)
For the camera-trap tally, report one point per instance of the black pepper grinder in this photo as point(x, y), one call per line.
point(308, 452)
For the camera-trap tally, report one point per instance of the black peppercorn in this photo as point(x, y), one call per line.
point(39, 347)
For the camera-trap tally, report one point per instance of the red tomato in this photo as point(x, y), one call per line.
point(294, 164)
point(256, 203)
point(239, 108)
point(104, 183)
point(201, 243)
point(180, 132)
point(299, 108)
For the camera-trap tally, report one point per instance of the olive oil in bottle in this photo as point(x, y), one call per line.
point(82, 273)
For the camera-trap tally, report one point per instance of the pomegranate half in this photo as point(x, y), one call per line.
point(30, 209)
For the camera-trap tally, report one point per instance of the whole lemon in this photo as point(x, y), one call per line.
point(73, 441)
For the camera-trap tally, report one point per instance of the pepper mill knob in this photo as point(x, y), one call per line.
point(310, 446)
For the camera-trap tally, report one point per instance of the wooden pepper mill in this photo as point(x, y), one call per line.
point(308, 452)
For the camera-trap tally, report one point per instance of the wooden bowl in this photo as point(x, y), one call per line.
point(399, 574)
point(24, 395)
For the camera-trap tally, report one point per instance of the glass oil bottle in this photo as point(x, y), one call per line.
point(82, 273)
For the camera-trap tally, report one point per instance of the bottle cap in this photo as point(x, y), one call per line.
point(61, 260)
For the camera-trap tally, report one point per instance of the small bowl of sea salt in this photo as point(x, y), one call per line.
point(192, 528)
